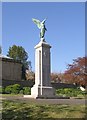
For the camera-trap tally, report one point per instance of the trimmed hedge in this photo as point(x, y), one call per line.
point(15, 89)
point(8, 89)
point(70, 92)
point(2, 90)
point(26, 91)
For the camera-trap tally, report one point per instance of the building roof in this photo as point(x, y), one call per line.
point(8, 59)
point(4, 56)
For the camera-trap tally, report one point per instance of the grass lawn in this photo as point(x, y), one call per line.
point(8, 95)
point(16, 110)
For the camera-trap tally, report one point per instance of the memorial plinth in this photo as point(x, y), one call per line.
point(42, 87)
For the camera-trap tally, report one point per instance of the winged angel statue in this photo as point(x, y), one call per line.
point(41, 26)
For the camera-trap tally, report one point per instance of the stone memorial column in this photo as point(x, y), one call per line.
point(42, 87)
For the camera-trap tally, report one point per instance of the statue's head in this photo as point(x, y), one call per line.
point(43, 22)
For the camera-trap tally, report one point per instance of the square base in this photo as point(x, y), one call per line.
point(42, 92)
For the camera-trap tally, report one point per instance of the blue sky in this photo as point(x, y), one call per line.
point(65, 29)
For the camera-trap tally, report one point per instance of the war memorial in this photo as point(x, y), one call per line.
point(42, 87)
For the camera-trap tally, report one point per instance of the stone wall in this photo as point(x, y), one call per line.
point(25, 83)
point(30, 83)
point(11, 69)
point(63, 85)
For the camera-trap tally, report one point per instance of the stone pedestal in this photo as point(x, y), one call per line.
point(42, 87)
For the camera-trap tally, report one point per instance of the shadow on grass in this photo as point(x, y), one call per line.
point(24, 114)
point(26, 111)
point(22, 111)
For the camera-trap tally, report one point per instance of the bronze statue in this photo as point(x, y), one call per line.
point(41, 26)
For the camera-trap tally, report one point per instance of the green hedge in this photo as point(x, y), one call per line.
point(26, 90)
point(70, 92)
point(2, 90)
point(8, 89)
point(15, 89)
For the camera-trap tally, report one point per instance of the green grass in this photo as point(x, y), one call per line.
point(9, 95)
point(13, 110)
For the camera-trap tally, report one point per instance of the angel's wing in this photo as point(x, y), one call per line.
point(37, 22)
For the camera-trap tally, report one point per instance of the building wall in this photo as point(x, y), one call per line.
point(11, 70)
